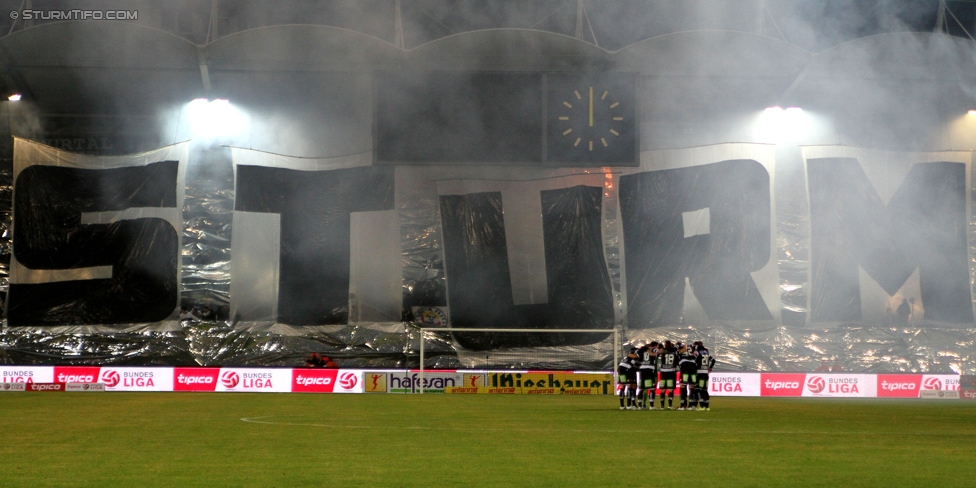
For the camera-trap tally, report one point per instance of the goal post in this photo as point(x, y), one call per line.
point(548, 349)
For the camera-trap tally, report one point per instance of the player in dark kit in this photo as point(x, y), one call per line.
point(688, 369)
point(705, 362)
point(667, 365)
point(647, 375)
point(627, 380)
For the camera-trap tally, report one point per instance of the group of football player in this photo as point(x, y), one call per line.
point(665, 366)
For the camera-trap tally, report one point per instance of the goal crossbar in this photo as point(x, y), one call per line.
point(614, 331)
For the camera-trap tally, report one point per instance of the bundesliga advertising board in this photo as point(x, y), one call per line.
point(23, 374)
point(254, 380)
point(136, 379)
point(324, 380)
point(734, 384)
point(840, 385)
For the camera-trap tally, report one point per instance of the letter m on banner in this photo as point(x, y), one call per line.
point(883, 216)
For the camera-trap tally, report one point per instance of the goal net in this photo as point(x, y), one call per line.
point(528, 349)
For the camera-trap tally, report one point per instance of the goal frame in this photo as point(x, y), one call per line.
point(615, 331)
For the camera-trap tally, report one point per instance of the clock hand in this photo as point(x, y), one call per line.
point(591, 106)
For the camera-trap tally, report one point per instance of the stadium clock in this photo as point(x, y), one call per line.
point(591, 119)
point(589, 116)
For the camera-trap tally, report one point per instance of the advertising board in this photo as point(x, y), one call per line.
point(23, 374)
point(254, 380)
point(540, 383)
point(322, 380)
point(840, 385)
point(136, 379)
point(195, 379)
point(782, 384)
point(327, 381)
point(734, 384)
point(7, 386)
point(84, 387)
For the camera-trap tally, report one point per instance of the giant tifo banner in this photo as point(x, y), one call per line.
point(665, 244)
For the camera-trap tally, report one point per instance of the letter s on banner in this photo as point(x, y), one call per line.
point(122, 269)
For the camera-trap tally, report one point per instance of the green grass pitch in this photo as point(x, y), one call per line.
point(239, 439)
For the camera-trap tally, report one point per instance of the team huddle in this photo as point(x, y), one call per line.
point(657, 366)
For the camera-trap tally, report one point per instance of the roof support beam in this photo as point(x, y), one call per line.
point(204, 70)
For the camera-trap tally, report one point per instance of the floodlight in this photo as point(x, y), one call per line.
point(215, 119)
point(15, 97)
point(776, 124)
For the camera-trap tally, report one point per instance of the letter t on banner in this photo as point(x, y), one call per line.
point(292, 265)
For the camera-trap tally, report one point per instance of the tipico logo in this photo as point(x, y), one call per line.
point(230, 379)
point(348, 380)
point(110, 378)
point(932, 384)
point(893, 386)
point(816, 384)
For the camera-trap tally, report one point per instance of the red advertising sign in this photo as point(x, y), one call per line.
point(46, 387)
point(76, 374)
point(195, 379)
point(313, 380)
point(782, 384)
point(899, 385)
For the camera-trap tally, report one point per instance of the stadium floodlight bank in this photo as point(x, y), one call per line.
point(563, 349)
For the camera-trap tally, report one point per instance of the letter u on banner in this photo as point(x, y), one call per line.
point(525, 254)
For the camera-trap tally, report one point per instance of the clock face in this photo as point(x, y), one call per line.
point(591, 120)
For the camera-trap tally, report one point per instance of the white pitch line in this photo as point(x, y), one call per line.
point(255, 420)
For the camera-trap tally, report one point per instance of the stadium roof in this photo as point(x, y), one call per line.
point(180, 50)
